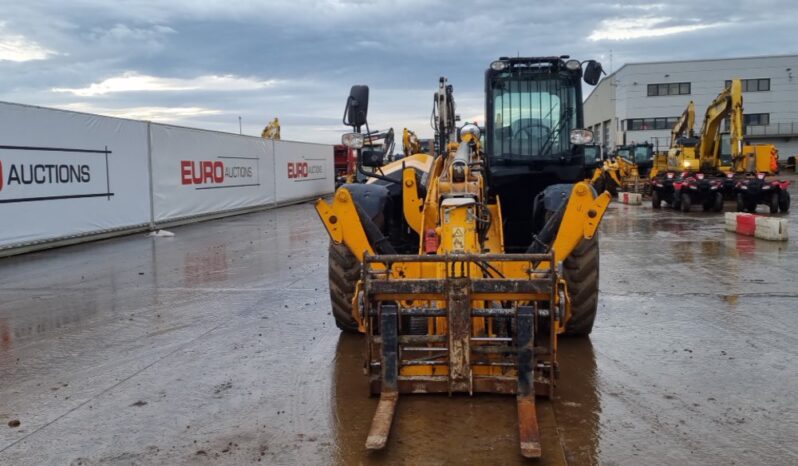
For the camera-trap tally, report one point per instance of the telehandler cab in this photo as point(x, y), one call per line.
point(463, 269)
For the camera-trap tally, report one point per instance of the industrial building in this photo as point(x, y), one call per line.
point(640, 102)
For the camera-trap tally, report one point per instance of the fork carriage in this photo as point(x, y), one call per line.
point(480, 332)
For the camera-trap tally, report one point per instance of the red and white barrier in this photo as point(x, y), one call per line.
point(630, 198)
point(759, 226)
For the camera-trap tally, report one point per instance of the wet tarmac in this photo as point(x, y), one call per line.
point(217, 347)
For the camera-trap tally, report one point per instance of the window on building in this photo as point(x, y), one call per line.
point(668, 89)
point(641, 124)
point(756, 119)
point(753, 85)
point(660, 123)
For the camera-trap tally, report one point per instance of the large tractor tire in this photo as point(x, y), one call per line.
point(344, 272)
point(581, 271)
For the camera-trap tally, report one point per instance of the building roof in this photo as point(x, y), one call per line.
point(664, 62)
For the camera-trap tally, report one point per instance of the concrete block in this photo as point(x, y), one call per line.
point(771, 228)
point(746, 224)
point(759, 226)
point(730, 219)
point(630, 198)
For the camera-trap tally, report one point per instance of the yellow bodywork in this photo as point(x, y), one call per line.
point(410, 143)
point(272, 130)
point(682, 157)
point(454, 221)
point(622, 172)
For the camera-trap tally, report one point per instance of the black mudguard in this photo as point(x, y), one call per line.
point(547, 215)
point(373, 203)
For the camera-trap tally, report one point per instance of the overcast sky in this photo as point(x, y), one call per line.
point(203, 63)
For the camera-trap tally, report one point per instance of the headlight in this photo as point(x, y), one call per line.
point(352, 140)
point(498, 65)
point(765, 187)
point(581, 136)
point(686, 164)
point(572, 65)
point(744, 187)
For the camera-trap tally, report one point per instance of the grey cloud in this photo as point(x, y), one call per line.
point(317, 49)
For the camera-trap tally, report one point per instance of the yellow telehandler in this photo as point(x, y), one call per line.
point(464, 268)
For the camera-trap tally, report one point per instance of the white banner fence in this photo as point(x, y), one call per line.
point(68, 176)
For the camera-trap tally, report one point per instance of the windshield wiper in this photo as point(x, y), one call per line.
point(545, 148)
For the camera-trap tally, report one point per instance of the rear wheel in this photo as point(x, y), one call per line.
point(718, 205)
point(685, 202)
point(656, 200)
point(344, 272)
point(750, 206)
point(581, 272)
point(774, 203)
point(740, 203)
point(784, 201)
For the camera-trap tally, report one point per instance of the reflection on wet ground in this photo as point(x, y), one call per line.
point(217, 347)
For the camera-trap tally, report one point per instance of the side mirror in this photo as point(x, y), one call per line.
point(372, 158)
point(592, 72)
point(357, 106)
point(580, 137)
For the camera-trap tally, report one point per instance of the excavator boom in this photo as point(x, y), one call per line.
point(729, 103)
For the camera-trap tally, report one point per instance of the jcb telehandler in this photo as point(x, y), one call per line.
point(464, 268)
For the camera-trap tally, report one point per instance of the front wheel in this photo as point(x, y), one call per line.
point(774, 203)
point(784, 201)
point(740, 203)
point(685, 201)
point(656, 200)
point(581, 272)
point(344, 273)
point(718, 205)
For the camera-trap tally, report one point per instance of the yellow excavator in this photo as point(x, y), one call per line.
point(410, 143)
point(462, 269)
point(682, 151)
point(272, 130)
